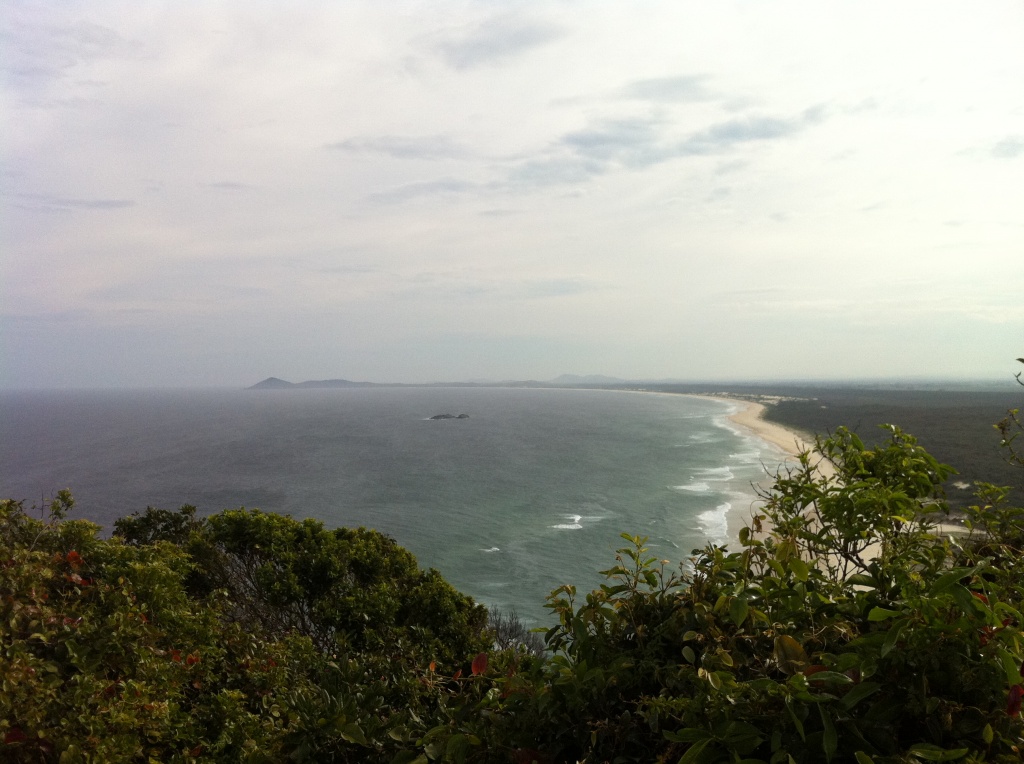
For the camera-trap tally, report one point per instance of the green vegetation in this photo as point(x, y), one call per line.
point(845, 628)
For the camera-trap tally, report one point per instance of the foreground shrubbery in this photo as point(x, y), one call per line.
point(252, 637)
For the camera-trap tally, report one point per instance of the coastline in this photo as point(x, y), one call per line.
point(750, 417)
point(792, 443)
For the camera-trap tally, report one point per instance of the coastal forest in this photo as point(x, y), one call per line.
point(846, 625)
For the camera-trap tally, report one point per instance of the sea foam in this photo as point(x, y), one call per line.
point(573, 526)
point(715, 523)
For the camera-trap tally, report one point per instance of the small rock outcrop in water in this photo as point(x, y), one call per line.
point(450, 416)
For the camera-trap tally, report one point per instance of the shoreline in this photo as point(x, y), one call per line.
point(750, 417)
point(790, 443)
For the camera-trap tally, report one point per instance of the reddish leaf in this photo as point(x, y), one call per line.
point(457, 674)
point(192, 659)
point(1014, 699)
point(981, 597)
point(176, 656)
point(480, 664)
point(433, 666)
point(14, 735)
point(74, 559)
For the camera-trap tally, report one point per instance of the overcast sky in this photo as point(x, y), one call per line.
point(210, 193)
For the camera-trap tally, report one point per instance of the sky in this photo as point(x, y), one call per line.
point(211, 193)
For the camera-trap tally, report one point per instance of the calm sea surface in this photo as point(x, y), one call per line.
point(530, 492)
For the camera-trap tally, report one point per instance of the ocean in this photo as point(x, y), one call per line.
point(529, 492)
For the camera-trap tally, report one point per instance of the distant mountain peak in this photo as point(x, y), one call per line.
point(271, 383)
point(275, 383)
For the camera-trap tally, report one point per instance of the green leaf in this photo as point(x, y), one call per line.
point(859, 692)
point(892, 637)
point(689, 655)
point(457, 747)
point(863, 758)
point(930, 752)
point(945, 583)
point(693, 753)
point(987, 734)
point(738, 610)
point(967, 601)
point(688, 735)
point(830, 677)
point(1011, 666)
point(881, 614)
point(829, 740)
point(400, 733)
point(353, 734)
point(799, 568)
point(790, 655)
point(796, 720)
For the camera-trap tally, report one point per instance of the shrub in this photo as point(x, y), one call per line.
point(845, 629)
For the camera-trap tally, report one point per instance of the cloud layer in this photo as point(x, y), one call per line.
point(212, 194)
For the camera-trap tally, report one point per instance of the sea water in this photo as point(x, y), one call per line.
point(530, 492)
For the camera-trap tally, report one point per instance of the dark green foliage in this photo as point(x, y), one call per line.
point(346, 590)
point(314, 649)
point(105, 658)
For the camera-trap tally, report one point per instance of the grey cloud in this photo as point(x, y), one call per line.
point(582, 155)
point(1008, 148)
point(680, 89)
point(227, 185)
point(726, 135)
point(552, 171)
point(494, 40)
point(615, 140)
point(441, 187)
point(639, 143)
point(400, 147)
point(50, 202)
point(40, 52)
point(579, 156)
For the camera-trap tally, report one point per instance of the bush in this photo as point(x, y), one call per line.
point(800, 647)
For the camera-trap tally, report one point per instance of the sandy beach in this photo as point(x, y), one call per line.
point(750, 417)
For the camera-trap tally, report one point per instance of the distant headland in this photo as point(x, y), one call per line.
point(273, 383)
point(565, 380)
